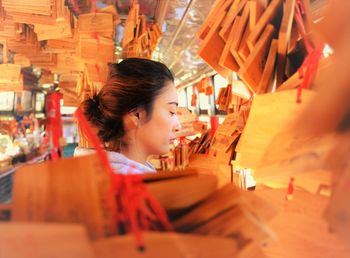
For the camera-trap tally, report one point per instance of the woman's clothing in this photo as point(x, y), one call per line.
point(120, 163)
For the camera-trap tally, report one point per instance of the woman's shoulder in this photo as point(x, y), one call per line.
point(120, 163)
point(80, 151)
point(123, 165)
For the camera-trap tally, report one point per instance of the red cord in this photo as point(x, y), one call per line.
point(308, 69)
point(87, 130)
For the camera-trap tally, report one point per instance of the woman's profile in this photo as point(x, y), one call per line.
point(134, 114)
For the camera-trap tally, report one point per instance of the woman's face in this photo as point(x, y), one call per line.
point(158, 132)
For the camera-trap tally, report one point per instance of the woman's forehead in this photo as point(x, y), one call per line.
point(169, 94)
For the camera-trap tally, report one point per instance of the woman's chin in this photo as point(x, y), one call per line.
point(164, 150)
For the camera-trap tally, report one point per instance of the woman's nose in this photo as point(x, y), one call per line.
point(177, 125)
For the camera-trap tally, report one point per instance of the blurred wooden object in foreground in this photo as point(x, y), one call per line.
point(300, 226)
point(42, 240)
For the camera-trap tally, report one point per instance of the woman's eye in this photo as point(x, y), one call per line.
point(172, 113)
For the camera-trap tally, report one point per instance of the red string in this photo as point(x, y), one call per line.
point(87, 130)
point(136, 207)
point(141, 208)
point(308, 70)
point(130, 197)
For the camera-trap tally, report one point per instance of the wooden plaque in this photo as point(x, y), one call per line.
point(72, 190)
point(253, 68)
point(271, 11)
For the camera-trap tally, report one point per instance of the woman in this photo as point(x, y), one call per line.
point(135, 114)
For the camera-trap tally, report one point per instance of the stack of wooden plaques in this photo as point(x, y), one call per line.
point(273, 146)
point(187, 121)
point(46, 34)
point(44, 12)
point(62, 45)
point(96, 34)
point(257, 39)
point(24, 42)
point(224, 99)
point(226, 137)
point(11, 78)
point(68, 63)
point(95, 75)
point(62, 27)
point(270, 115)
point(68, 85)
point(140, 39)
point(46, 61)
point(225, 214)
point(41, 194)
point(329, 113)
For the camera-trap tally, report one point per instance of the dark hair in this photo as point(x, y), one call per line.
point(131, 84)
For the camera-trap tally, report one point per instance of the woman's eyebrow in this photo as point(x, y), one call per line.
point(173, 103)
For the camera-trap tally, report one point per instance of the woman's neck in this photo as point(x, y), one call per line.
point(134, 153)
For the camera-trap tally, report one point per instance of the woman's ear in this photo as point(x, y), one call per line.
point(131, 121)
point(135, 118)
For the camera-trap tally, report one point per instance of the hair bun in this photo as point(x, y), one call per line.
point(96, 99)
point(92, 110)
